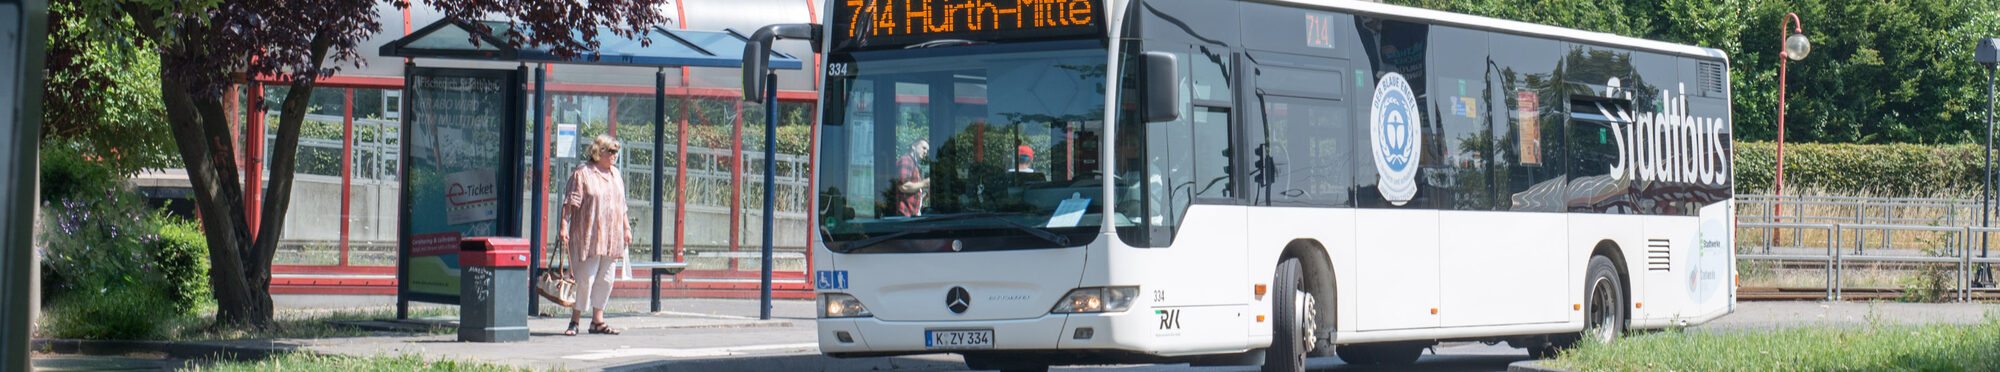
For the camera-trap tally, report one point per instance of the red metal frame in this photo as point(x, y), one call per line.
point(680, 188)
point(735, 183)
point(253, 179)
point(319, 279)
point(548, 131)
point(346, 167)
point(232, 102)
point(611, 116)
point(812, 154)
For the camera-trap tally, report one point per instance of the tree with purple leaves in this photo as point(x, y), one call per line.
point(205, 46)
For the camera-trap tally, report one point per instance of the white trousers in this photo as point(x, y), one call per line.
point(593, 282)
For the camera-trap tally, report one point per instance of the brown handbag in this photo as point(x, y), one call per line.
point(557, 283)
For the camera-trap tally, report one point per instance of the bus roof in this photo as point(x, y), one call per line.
point(1507, 26)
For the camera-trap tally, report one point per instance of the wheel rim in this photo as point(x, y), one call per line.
point(1603, 310)
point(1308, 319)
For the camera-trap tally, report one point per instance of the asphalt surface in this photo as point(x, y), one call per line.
point(724, 335)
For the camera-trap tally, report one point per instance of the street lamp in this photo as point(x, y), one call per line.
point(1988, 55)
point(1796, 47)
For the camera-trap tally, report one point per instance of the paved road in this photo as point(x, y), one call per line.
point(723, 335)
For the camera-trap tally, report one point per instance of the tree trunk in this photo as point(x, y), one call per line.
point(239, 263)
point(218, 194)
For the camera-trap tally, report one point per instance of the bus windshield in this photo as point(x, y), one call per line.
point(962, 147)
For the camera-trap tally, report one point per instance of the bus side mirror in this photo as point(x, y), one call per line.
point(757, 55)
point(1162, 87)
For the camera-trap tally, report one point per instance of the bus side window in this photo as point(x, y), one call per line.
point(1594, 139)
point(1214, 134)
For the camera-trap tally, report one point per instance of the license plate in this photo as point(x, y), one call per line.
point(959, 339)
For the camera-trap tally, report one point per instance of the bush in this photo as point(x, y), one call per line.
point(110, 264)
point(1893, 169)
point(182, 253)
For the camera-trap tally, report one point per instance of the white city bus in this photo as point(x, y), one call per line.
point(1045, 182)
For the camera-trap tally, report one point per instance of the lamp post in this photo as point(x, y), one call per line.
point(1988, 55)
point(1795, 48)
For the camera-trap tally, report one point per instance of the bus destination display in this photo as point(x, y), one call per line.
point(875, 24)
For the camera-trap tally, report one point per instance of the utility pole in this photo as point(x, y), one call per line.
point(1987, 53)
point(23, 28)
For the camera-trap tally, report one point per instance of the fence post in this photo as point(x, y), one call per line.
point(1833, 265)
point(1859, 243)
point(1859, 207)
point(1965, 267)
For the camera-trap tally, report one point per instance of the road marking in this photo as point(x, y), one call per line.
point(702, 315)
point(690, 353)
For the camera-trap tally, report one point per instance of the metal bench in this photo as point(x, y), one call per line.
point(653, 269)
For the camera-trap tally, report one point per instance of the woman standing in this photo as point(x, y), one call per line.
point(594, 214)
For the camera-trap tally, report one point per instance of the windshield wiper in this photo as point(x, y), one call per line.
point(864, 243)
point(1037, 232)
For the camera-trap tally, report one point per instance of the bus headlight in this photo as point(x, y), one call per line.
point(1097, 300)
point(841, 305)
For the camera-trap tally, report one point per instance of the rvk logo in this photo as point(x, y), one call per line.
point(1169, 319)
point(1393, 121)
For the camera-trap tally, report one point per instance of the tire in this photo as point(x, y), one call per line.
point(1543, 351)
point(1293, 324)
point(982, 362)
point(1394, 353)
point(1355, 354)
point(1604, 302)
point(1399, 354)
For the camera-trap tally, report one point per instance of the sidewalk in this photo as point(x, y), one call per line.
point(685, 328)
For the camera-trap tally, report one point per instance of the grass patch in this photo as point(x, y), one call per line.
point(198, 325)
point(1875, 347)
point(296, 324)
point(341, 363)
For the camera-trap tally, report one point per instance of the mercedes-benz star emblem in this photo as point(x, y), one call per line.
point(957, 300)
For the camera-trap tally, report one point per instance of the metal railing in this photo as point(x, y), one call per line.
point(1956, 249)
point(1755, 208)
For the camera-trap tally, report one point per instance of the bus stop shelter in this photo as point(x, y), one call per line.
point(468, 41)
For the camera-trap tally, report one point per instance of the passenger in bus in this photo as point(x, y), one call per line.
point(1024, 166)
point(911, 184)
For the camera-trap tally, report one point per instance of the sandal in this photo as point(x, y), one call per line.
point(572, 329)
point(603, 329)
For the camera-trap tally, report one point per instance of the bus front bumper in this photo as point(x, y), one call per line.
point(1050, 332)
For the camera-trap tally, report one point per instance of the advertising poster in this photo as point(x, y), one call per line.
point(1530, 114)
point(457, 129)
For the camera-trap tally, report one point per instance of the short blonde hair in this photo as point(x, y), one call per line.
point(598, 144)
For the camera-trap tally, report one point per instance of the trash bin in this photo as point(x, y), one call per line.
point(493, 290)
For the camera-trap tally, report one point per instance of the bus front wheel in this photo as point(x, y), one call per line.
point(1294, 322)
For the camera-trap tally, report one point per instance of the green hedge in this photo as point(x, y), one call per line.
point(1885, 170)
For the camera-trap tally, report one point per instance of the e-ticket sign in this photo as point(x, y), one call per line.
point(878, 24)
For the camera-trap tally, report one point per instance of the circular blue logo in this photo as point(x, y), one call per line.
point(1393, 124)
